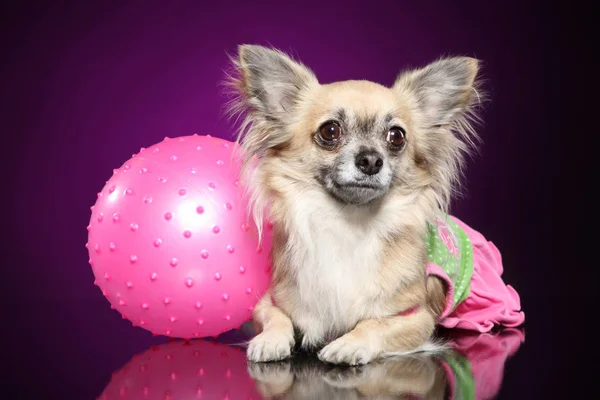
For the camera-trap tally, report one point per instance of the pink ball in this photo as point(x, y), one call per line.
point(170, 243)
point(179, 370)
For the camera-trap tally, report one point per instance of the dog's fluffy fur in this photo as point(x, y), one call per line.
point(348, 251)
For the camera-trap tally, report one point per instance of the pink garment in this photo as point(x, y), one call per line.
point(490, 301)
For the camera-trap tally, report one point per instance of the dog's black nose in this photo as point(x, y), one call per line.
point(369, 162)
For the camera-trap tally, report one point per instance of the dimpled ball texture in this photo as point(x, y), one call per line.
point(170, 243)
point(180, 370)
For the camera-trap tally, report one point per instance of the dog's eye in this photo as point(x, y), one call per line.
point(330, 131)
point(396, 137)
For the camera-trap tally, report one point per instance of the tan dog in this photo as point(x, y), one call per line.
point(352, 172)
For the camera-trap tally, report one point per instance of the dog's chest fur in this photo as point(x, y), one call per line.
point(335, 255)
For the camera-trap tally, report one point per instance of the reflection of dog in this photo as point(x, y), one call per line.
point(471, 370)
point(354, 175)
point(402, 377)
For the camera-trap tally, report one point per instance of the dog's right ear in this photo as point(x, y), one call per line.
point(269, 85)
point(271, 79)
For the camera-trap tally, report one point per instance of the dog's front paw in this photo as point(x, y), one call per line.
point(348, 350)
point(270, 346)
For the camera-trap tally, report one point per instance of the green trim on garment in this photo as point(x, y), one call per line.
point(449, 247)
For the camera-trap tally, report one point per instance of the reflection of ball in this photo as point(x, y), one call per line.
point(177, 370)
point(170, 243)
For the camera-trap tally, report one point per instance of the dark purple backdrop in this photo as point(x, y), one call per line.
point(86, 84)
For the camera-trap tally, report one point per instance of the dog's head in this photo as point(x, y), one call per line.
point(357, 140)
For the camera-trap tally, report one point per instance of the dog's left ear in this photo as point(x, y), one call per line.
point(443, 90)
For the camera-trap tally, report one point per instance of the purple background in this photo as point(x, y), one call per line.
point(86, 84)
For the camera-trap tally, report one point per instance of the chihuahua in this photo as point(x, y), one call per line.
point(352, 176)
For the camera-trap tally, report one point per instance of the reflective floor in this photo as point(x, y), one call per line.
point(473, 369)
point(85, 350)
